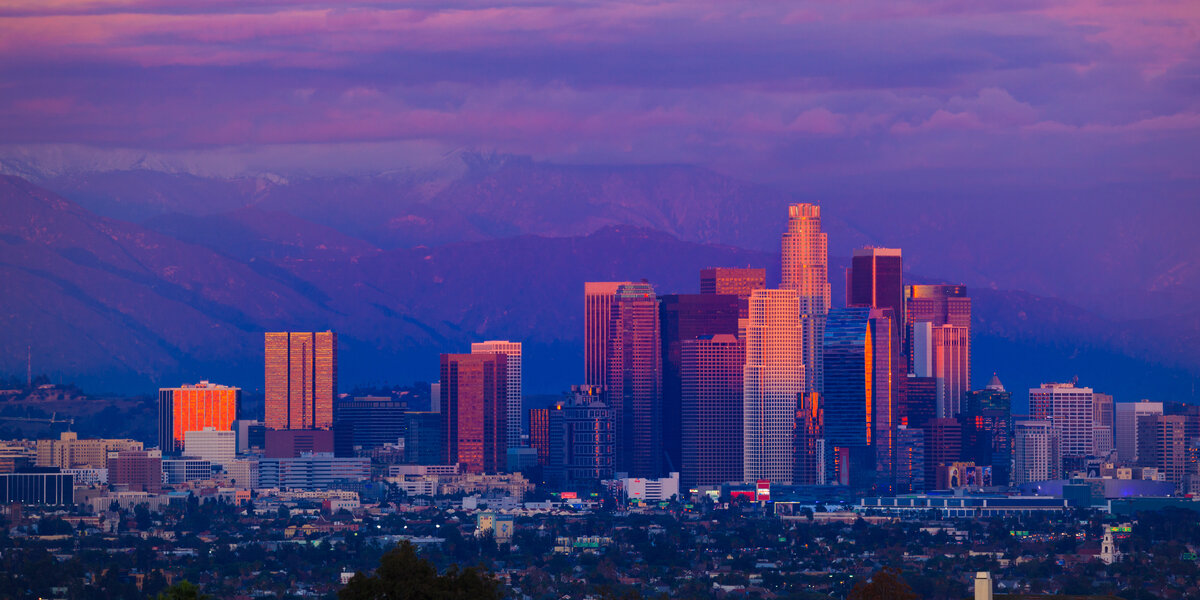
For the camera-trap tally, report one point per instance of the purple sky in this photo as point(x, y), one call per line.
point(1103, 91)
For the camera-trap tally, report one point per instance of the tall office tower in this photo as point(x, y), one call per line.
point(910, 460)
point(887, 370)
point(634, 372)
point(1071, 410)
point(192, 408)
point(1102, 425)
point(513, 351)
point(423, 439)
point(1035, 452)
point(918, 401)
point(943, 352)
point(937, 304)
point(711, 406)
point(987, 420)
point(811, 457)
point(850, 375)
point(474, 415)
point(435, 397)
point(772, 378)
point(686, 317)
point(1162, 443)
point(1125, 429)
point(862, 395)
point(943, 446)
point(598, 297)
point(876, 279)
point(581, 440)
point(217, 446)
point(806, 272)
point(301, 379)
point(539, 433)
point(371, 421)
point(734, 282)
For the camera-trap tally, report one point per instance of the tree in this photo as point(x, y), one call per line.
point(887, 584)
point(403, 575)
point(184, 590)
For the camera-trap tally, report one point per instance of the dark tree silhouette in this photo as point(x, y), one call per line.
point(184, 590)
point(887, 584)
point(403, 575)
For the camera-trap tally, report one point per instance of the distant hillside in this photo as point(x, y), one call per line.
point(116, 306)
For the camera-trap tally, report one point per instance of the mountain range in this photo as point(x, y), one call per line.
point(125, 280)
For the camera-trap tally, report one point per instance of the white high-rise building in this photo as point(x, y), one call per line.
point(1035, 452)
point(772, 379)
point(513, 408)
point(806, 272)
point(1070, 408)
point(1125, 426)
point(217, 446)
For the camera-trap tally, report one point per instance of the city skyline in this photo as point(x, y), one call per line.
point(879, 299)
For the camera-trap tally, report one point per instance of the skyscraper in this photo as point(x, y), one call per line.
point(513, 351)
point(1162, 443)
point(192, 408)
point(598, 299)
point(943, 446)
point(910, 460)
point(1125, 425)
point(735, 282)
point(1070, 409)
point(811, 456)
point(634, 380)
point(850, 377)
point(886, 372)
point(943, 352)
point(424, 438)
point(581, 439)
point(773, 377)
point(1102, 424)
point(301, 379)
point(539, 433)
point(918, 404)
point(474, 392)
point(876, 279)
point(987, 422)
point(686, 317)
point(937, 304)
point(806, 272)
point(1035, 452)
point(711, 386)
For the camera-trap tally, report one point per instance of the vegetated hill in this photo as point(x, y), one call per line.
point(113, 305)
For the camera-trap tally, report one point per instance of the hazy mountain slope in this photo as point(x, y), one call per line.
point(109, 303)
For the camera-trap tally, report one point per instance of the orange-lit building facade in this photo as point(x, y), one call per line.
point(301, 379)
point(474, 414)
point(192, 408)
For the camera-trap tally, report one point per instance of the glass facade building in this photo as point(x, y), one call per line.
point(685, 317)
point(475, 419)
point(634, 380)
point(712, 410)
point(301, 379)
